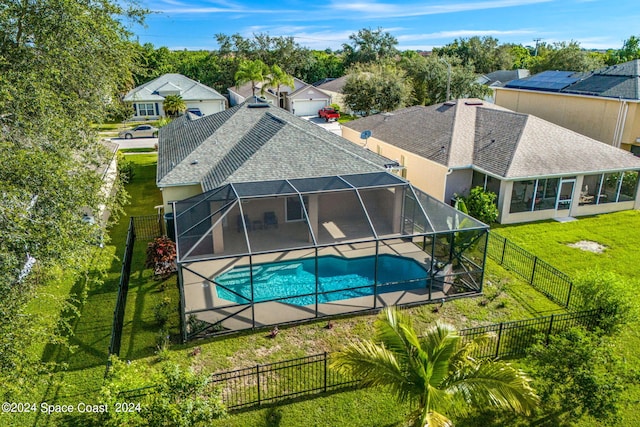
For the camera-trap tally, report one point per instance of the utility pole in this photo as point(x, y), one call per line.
point(536, 51)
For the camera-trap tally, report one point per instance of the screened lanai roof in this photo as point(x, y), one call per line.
point(246, 218)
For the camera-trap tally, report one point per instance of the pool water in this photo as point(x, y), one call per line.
point(336, 279)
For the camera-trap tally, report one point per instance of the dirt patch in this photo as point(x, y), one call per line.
point(589, 246)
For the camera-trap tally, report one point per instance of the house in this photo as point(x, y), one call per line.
point(302, 100)
point(277, 220)
point(147, 99)
point(603, 104)
point(500, 78)
point(334, 88)
point(538, 169)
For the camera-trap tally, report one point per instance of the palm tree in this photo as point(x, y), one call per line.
point(277, 78)
point(173, 105)
point(435, 369)
point(251, 71)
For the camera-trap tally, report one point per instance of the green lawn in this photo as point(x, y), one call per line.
point(620, 234)
point(506, 298)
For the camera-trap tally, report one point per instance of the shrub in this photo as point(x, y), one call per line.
point(481, 205)
point(608, 291)
point(161, 257)
point(125, 169)
point(162, 311)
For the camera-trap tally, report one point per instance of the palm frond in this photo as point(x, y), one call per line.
point(490, 383)
point(375, 365)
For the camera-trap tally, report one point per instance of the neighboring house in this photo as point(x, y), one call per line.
point(277, 220)
point(147, 99)
point(602, 105)
point(302, 100)
point(499, 79)
point(539, 170)
point(334, 88)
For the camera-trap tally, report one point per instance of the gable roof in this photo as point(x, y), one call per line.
point(254, 142)
point(473, 134)
point(308, 90)
point(502, 77)
point(333, 85)
point(190, 90)
point(616, 81)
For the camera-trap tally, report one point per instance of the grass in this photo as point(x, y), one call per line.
point(138, 150)
point(620, 233)
point(506, 298)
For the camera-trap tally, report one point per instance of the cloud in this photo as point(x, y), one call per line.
point(462, 34)
point(371, 9)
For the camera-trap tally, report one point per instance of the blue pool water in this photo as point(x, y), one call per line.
point(337, 278)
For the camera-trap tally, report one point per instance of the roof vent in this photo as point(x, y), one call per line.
point(450, 103)
point(258, 105)
point(195, 162)
point(473, 102)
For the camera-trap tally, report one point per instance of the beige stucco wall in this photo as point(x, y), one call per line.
point(595, 117)
point(174, 194)
point(424, 174)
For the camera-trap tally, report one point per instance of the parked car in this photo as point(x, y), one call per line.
point(139, 132)
point(328, 113)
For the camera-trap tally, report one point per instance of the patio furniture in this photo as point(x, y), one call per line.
point(270, 219)
point(239, 226)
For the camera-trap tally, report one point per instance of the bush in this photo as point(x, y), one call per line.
point(481, 205)
point(125, 169)
point(161, 257)
point(608, 291)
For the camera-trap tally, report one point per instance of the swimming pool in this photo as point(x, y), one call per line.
point(336, 279)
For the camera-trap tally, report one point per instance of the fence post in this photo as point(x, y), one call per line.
point(504, 249)
point(499, 339)
point(258, 381)
point(549, 330)
point(325, 371)
point(533, 270)
point(569, 296)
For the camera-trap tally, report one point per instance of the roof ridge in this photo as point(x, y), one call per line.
point(515, 149)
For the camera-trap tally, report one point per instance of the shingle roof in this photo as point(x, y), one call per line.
point(334, 85)
point(245, 144)
point(485, 136)
point(190, 90)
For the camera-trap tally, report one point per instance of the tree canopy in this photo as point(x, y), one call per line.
point(61, 65)
point(375, 88)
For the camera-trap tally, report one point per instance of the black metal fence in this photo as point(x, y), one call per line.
point(280, 381)
point(123, 290)
point(555, 284)
point(148, 227)
point(512, 339)
point(310, 375)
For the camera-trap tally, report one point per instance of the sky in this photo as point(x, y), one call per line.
point(416, 24)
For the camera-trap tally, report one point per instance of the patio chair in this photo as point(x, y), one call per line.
point(239, 225)
point(270, 219)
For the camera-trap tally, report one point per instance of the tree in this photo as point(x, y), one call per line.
point(276, 79)
point(375, 88)
point(61, 64)
point(435, 370)
point(483, 54)
point(174, 105)
point(369, 46)
point(251, 71)
point(429, 76)
point(564, 56)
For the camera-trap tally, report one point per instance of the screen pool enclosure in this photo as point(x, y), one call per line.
point(255, 254)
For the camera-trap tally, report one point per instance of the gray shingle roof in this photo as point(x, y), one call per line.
point(334, 85)
point(190, 90)
point(493, 139)
point(245, 144)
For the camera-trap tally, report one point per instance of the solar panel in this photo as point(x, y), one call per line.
point(547, 80)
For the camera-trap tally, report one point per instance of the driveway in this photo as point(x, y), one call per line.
point(135, 142)
point(331, 126)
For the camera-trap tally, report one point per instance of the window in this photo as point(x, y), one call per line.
point(294, 209)
point(146, 110)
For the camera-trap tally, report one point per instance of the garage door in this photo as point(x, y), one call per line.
point(308, 108)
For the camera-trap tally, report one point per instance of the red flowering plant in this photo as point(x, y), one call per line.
point(161, 257)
